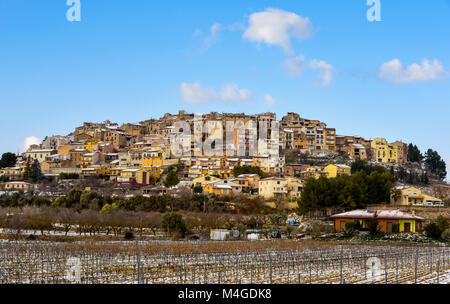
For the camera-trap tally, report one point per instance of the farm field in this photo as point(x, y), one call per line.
point(261, 262)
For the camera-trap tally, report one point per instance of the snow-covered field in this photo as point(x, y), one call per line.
point(55, 263)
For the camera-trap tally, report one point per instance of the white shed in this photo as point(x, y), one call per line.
point(219, 234)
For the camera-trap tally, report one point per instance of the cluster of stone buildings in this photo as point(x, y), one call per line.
point(137, 154)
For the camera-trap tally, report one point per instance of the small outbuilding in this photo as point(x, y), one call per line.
point(220, 234)
point(387, 219)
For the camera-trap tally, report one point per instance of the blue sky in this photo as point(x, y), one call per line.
point(131, 60)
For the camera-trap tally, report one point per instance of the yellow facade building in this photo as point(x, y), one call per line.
point(39, 155)
point(412, 195)
point(384, 152)
point(152, 157)
point(313, 172)
point(334, 170)
point(89, 144)
point(203, 180)
point(277, 187)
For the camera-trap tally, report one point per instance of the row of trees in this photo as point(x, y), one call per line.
point(183, 200)
point(117, 222)
point(347, 192)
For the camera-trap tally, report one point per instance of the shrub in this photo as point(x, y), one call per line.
point(174, 223)
point(446, 234)
point(442, 223)
point(198, 189)
point(171, 179)
point(432, 230)
point(352, 227)
point(129, 235)
point(437, 228)
point(318, 227)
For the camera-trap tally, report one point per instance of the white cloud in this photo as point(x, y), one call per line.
point(232, 93)
point(194, 93)
point(32, 140)
point(277, 27)
point(394, 71)
point(295, 65)
point(270, 101)
point(326, 71)
point(214, 31)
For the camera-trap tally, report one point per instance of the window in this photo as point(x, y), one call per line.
point(407, 227)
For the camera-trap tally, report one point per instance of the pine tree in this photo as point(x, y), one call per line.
point(171, 179)
point(27, 174)
point(435, 164)
point(36, 171)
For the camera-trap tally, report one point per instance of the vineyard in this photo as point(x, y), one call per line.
point(221, 263)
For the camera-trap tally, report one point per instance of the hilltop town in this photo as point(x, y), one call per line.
point(135, 159)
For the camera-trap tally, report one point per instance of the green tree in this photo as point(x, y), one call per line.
point(8, 160)
point(414, 154)
point(32, 172)
point(91, 199)
point(36, 171)
point(442, 223)
point(71, 199)
point(26, 175)
point(348, 192)
point(372, 225)
point(198, 189)
point(360, 165)
point(435, 164)
point(171, 179)
point(432, 230)
point(173, 223)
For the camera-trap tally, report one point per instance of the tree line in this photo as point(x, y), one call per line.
point(119, 222)
point(346, 192)
point(183, 200)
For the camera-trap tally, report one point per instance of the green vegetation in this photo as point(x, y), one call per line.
point(32, 172)
point(198, 189)
point(435, 164)
point(69, 176)
point(437, 228)
point(172, 179)
point(8, 160)
point(414, 154)
point(372, 226)
point(363, 165)
point(173, 223)
point(248, 170)
point(347, 192)
point(353, 227)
